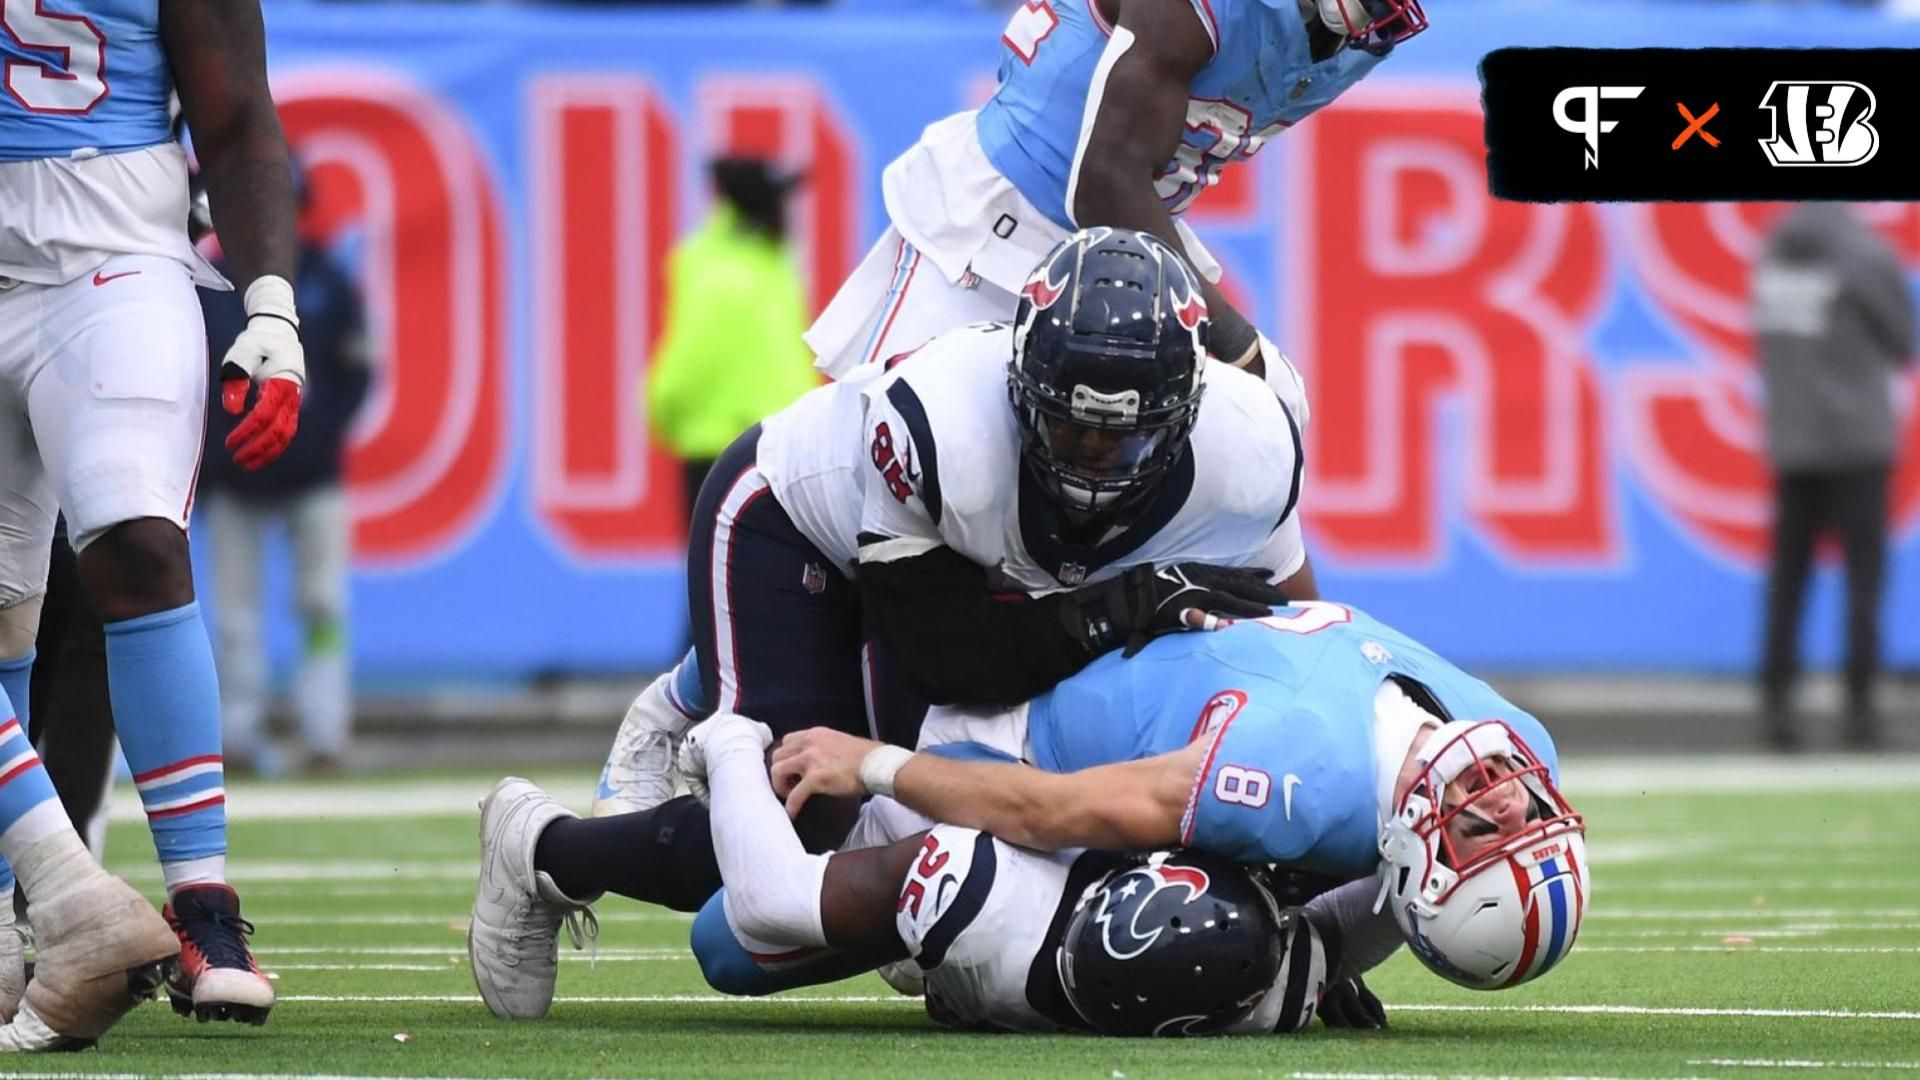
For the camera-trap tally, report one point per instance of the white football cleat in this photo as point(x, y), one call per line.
point(512, 942)
point(639, 773)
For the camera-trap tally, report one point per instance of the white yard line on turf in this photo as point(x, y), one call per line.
point(342, 800)
point(226, 1076)
point(1700, 914)
point(270, 956)
point(652, 915)
point(1764, 1063)
point(1687, 774)
point(1824, 950)
point(1650, 1010)
point(330, 870)
point(265, 951)
point(1441, 1076)
point(883, 999)
point(1681, 775)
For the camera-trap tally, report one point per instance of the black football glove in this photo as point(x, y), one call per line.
point(1148, 601)
point(1159, 597)
point(1350, 1004)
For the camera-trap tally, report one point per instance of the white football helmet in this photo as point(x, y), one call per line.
point(1507, 912)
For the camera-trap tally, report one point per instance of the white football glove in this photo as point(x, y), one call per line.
point(709, 740)
point(267, 352)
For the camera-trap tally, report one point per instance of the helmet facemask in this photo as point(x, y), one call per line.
point(1373, 26)
point(1099, 454)
point(1485, 861)
point(1109, 343)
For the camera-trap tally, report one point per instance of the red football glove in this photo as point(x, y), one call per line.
point(268, 352)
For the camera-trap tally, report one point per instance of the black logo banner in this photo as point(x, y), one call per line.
point(1666, 125)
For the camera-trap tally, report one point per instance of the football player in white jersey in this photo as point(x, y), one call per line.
point(996, 936)
point(987, 497)
point(1124, 454)
point(102, 385)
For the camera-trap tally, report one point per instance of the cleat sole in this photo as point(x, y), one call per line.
point(227, 1010)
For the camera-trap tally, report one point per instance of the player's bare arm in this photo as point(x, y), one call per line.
point(861, 893)
point(1128, 806)
point(1301, 585)
point(217, 49)
point(218, 52)
point(1139, 106)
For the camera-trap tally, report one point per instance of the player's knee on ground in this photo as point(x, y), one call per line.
point(726, 964)
point(136, 568)
point(19, 626)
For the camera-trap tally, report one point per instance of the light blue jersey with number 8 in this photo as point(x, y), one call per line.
point(1287, 703)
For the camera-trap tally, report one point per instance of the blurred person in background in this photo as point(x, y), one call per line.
point(300, 493)
point(730, 353)
point(1834, 321)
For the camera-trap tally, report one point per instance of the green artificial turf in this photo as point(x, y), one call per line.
point(1758, 929)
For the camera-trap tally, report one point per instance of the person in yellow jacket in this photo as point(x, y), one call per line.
point(730, 353)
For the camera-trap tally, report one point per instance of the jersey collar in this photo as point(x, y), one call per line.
point(1072, 564)
point(1397, 722)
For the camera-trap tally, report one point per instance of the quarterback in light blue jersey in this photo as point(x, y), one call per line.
point(1316, 738)
point(103, 371)
point(1108, 112)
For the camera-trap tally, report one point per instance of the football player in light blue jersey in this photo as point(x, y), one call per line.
point(1316, 738)
point(102, 391)
point(1108, 112)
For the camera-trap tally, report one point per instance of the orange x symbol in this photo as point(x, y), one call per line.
point(1697, 125)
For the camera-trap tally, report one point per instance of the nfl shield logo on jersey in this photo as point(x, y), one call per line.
point(1071, 573)
point(813, 579)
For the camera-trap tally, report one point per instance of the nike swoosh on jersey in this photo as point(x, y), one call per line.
point(1287, 784)
point(100, 279)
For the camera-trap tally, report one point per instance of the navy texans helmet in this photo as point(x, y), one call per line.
point(1184, 943)
point(1109, 341)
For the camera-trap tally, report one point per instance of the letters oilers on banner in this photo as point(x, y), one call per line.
point(81, 77)
point(1262, 79)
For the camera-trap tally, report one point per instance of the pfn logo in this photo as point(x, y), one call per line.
point(1820, 123)
point(1589, 125)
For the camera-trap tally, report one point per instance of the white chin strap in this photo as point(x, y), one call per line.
point(1344, 17)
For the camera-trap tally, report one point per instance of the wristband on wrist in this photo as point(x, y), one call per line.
point(877, 769)
point(271, 294)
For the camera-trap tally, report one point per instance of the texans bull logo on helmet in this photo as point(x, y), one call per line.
point(1122, 937)
point(1044, 287)
point(1190, 309)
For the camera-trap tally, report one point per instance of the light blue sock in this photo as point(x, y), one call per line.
point(685, 691)
point(166, 705)
point(23, 782)
point(14, 676)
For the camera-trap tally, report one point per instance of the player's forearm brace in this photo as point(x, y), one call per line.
point(773, 885)
point(961, 645)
